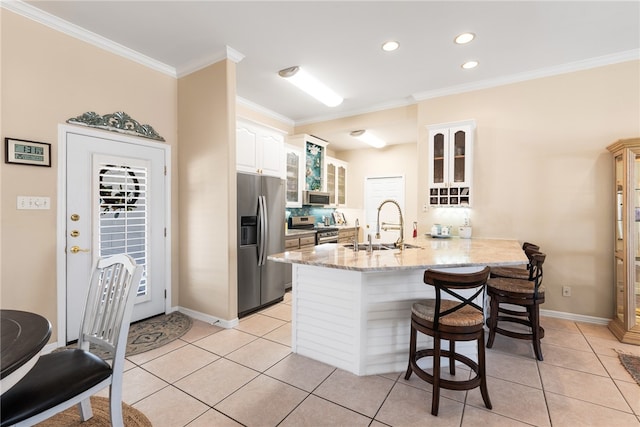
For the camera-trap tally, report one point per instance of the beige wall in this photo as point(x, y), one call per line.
point(207, 165)
point(543, 174)
point(392, 160)
point(48, 77)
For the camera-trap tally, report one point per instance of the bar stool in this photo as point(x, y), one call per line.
point(518, 272)
point(523, 293)
point(456, 319)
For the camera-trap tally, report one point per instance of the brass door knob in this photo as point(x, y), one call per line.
point(76, 249)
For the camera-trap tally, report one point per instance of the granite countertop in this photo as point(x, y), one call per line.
point(430, 253)
point(297, 232)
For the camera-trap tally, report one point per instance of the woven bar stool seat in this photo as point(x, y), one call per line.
point(520, 272)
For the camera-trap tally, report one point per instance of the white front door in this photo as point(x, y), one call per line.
point(115, 203)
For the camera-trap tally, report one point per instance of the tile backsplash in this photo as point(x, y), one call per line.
point(315, 211)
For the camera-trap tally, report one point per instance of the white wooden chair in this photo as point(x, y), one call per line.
point(65, 378)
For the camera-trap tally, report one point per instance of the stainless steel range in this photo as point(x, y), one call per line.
point(324, 234)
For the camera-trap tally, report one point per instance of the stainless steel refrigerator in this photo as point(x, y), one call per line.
point(261, 207)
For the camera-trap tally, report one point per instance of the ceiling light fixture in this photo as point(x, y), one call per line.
point(311, 85)
point(470, 64)
point(369, 138)
point(464, 38)
point(390, 46)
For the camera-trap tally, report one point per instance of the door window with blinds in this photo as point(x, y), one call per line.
point(123, 220)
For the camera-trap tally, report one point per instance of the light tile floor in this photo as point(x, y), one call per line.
point(248, 376)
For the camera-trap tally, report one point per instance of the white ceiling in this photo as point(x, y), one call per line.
point(339, 42)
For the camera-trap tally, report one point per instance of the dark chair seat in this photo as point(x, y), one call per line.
point(54, 379)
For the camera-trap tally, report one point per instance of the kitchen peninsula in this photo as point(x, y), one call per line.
point(352, 309)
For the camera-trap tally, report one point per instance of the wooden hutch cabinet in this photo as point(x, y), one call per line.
point(626, 321)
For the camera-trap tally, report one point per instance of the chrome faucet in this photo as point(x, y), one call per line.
point(355, 238)
point(390, 226)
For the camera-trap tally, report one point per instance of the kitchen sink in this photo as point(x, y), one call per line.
point(379, 246)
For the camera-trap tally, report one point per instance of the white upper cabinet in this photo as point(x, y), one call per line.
point(259, 149)
point(294, 169)
point(336, 181)
point(451, 164)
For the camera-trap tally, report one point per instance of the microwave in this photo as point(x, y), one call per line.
point(315, 198)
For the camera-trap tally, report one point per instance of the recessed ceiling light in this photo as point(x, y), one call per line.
point(390, 46)
point(303, 80)
point(464, 38)
point(469, 65)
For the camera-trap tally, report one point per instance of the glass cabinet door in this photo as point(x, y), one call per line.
point(634, 300)
point(621, 294)
point(342, 186)
point(331, 182)
point(619, 165)
point(293, 169)
point(438, 158)
point(459, 150)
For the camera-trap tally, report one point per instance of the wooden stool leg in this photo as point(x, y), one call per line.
point(435, 401)
point(452, 359)
point(534, 318)
point(483, 373)
point(493, 320)
point(412, 351)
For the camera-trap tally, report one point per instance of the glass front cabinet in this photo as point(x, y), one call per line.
point(336, 178)
point(451, 164)
point(626, 272)
point(294, 169)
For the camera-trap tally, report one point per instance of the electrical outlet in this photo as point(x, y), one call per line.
point(566, 291)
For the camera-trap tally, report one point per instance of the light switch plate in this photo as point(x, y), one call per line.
point(31, 202)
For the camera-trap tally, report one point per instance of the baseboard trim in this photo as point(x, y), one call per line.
point(575, 317)
point(227, 324)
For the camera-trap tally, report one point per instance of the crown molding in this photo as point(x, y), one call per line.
point(262, 110)
point(203, 62)
point(570, 67)
point(51, 21)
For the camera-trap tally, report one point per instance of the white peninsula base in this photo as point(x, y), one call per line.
point(359, 321)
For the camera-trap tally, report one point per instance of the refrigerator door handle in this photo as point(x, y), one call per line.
point(265, 222)
point(262, 233)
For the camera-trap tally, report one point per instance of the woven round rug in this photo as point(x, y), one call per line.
point(149, 334)
point(100, 406)
point(156, 332)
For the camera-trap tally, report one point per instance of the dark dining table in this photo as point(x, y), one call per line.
point(23, 335)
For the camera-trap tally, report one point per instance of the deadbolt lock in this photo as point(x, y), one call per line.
point(75, 217)
point(74, 233)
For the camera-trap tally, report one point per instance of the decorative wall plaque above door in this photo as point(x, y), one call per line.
point(117, 122)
